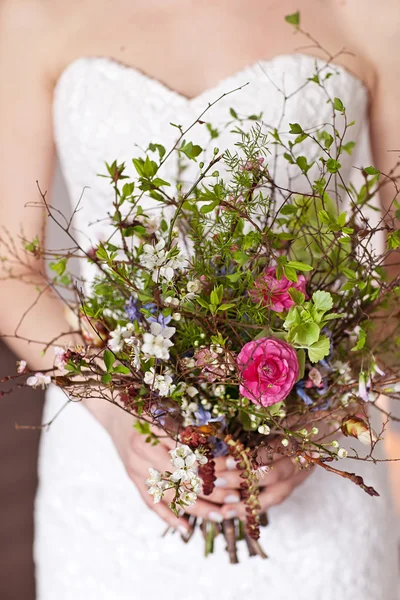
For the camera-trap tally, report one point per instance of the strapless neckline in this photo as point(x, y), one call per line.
point(263, 64)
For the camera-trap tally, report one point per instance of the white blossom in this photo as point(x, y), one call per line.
point(155, 477)
point(156, 486)
point(161, 383)
point(153, 256)
point(157, 343)
point(342, 453)
point(178, 261)
point(59, 359)
point(192, 391)
point(119, 336)
point(38, 380)
point(201, 458)
point(21, 366)
point(166, 272)
point(188, 498)
point(152, 224)
point(193, 286)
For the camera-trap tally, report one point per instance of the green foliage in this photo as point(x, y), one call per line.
point(293, 19)
point(305, 321)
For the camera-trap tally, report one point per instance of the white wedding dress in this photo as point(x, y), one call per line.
point(95, 538)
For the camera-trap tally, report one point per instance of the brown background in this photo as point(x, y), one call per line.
point(18, 459)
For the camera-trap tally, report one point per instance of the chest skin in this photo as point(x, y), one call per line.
point(190, 45)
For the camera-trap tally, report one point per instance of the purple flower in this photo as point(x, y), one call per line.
point(132, 309)
point(161, 319)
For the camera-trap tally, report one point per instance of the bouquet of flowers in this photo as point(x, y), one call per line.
point(240, 317)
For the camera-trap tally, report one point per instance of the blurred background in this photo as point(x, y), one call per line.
point(18, 460)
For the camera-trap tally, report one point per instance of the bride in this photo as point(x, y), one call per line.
point(94, 81)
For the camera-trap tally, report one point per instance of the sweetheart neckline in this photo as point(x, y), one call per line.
point(263, 63)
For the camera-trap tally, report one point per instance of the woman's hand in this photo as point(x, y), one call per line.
point(282, 478)
point(224, 502)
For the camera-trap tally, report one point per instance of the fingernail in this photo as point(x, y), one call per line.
point(232, 499)
point(231, 514)
point(214, 516)
point(220, 482)
point(230, 463)
point(183, 530)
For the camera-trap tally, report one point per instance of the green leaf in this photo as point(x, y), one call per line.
point(233, 113)
point(301, 138)
point(306, 334)
point(338, 105)
point(293, 318)
point(348, 147)
point(372, 171)
point(240, 257)
point(274, 409)
point(301, 357)
point(393, 240)
point(296, 128)
point(128, 189)
point(301, 161)
point(190, 150)
point(108, 358)
point(207, 208)
point(59, 267)
point(333, 166)
point(332, 316)
point(290, 273)
point(202, 302)
point(288, 158)
point(122, 369)
point(322, 300)
point(320, 349)
point(106, 378)
point(288, 209)
point(297, 296)
point(138, 164)
point(362, 338)
point(293, 19)
point(299, 266)
point(157, 148)
point(225, 306)
point(234, 277)
point(349, 273)
point(142, 427)
point(158, 182)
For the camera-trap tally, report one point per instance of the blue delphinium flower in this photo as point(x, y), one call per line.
point(132, 309)
point(301, 392)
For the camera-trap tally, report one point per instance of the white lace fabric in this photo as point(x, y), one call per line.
point(95, 538)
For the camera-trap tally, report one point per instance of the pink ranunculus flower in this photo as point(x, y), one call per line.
point(268, 369)
point(273, 292)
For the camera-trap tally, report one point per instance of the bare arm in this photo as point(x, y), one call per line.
point(27, 155)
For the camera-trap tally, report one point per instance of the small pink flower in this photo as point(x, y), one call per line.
point(269, 369)
point(273, 292)
point(314, 379)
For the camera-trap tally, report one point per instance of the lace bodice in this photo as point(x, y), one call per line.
point(104, 111)
point(95, 536)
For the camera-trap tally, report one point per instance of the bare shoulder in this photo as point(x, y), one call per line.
point(24, 17)
point(31, 34)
